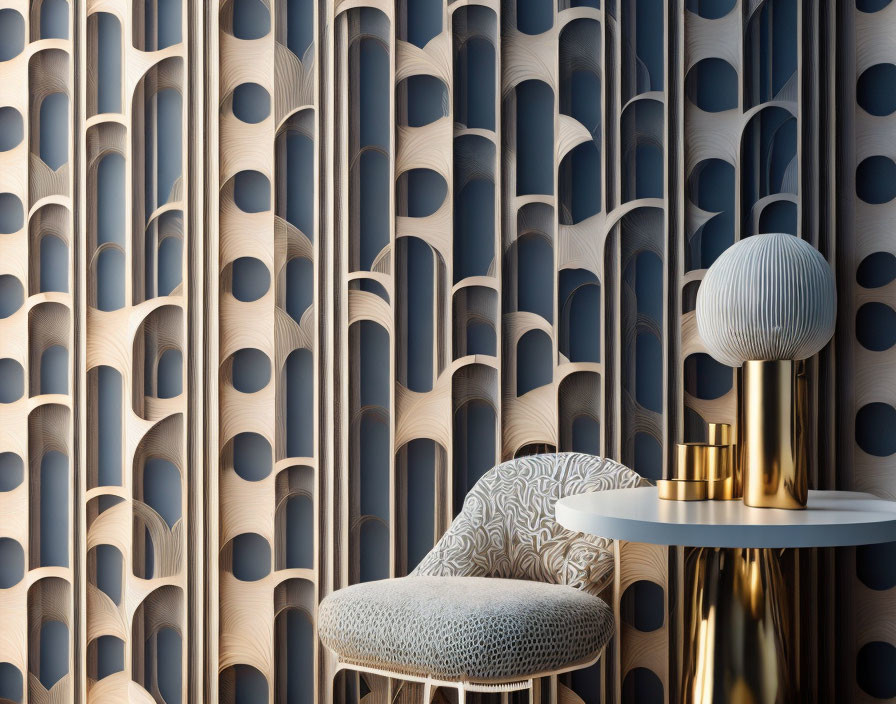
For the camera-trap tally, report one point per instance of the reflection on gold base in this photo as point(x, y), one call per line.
point(774, 454)
point(737, 626)
point(682, 489)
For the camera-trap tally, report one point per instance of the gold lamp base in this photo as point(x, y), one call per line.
point(773, 432)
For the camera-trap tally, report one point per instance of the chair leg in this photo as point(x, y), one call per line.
point(461, 694)
point(427, 692)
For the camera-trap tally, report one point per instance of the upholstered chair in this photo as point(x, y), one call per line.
point(506, 596)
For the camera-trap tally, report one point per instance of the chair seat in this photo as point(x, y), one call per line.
point(464, 628)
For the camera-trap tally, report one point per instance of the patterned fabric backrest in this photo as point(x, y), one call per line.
point(507, 528)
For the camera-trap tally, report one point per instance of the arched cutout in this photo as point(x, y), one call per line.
point(160, 26)
point(876, 669)
point(53, 19)
point(12, 129)
point(768, 155)
point(108, 404)
point(251, 103)
point(299, 532)
point(642, 606)
point(299, 26)
point(642, 150)
point(534, 138)
point(770, 71)
point(248, 685)
point(110, 200)
point(533, 362)
point(779, 216)
point(12, 295)
point(373, 220)
point(54, 130)
point(474, 229)
point(12, 34)
point(53, 662)
point(12, 215)
point(250, 20)
point(642, 48)
point(300, 404)
point(417, 264)
point(423, 99)
point(710, 9)
point(295, 666)
point(876, 270)
point(876, 90)
point(474, 71)
point(12, 380)
point(876, 180)
point(420, 192)
point(534, 16)
point(251, 557)
point(535, 276)
point(164, 124)
point(168, 661)
point(12, 563)
point(251, 370)
point(643, 686)
point(299, 287)
point(54, 370)
point(53, 264)
point(162, 489)
point(876, 566)
point(110, 279)
point(170, 269)
point(374, 550)
point(252, 456)
point(12, 471)
point(109, 572)
point(108, 62)
point(373, 93)
point(586, 436)
point(705, 378)
point(421, 467)
point(295, 165)
point(876, 326)
point(108, 654)
point(10, 682)
point(423, 21)
point(169, 382)
point(579, 316)
point(711, 84)
point(250, 279)
point(474, 447)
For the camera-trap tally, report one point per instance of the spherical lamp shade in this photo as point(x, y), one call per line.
point(767, 297)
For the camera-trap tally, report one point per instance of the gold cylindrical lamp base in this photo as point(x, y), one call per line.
point(773, 430)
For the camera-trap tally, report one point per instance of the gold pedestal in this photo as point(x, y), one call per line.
point(737, 629)
point(773, 432)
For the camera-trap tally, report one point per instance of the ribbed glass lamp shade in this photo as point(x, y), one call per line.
point(767, 297)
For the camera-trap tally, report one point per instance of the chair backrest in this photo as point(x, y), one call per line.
point(507, 528)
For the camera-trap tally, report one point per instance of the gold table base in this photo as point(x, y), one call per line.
point(737, 628)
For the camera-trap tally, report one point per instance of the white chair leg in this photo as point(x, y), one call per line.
point(427, 692)
point(461, 694)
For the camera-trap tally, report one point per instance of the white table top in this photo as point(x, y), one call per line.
point(832, 518)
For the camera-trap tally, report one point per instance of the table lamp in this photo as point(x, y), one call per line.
point(768, 302)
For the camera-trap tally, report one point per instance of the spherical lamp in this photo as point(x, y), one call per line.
point(767, 303)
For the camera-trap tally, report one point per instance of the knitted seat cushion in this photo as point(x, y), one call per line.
point(464, 628)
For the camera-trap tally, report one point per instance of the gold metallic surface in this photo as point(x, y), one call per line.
point(774, 419)
point(690, 461)
point(682, 489)
point(737, 629)
point(719, 434)
point(721, 489)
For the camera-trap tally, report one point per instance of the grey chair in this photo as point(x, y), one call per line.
point(505, 597)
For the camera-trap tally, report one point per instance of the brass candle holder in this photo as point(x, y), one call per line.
point(704, 470)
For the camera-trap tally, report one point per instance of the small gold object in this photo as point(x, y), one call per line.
point(691, 462)
point(682, 489)
point(774, 420)
point(719, 434)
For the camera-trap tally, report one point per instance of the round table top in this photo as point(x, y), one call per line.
point(832, 518)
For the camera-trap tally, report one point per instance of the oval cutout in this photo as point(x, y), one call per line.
point(251, 557)
point(12, 563)
point(12, 380)
point(251, 370)
point(12, 215)
point(12, 295)
point(251, 103)
point(252, 456)
point(11, 128)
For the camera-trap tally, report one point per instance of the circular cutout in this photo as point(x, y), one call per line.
point(251, 557)
point(12, 380)
point(876, 565)
point(710, 9)
point(711, 85)
point(252, 191)
point(876, 90)
point(876, 669)
point(251, 370)
point(10, 682)
point(12, 295)
point(12, 563)
point(643, 686)
point(876, 429)
point(642, 605)
point(252, 457)
point(869, 6)
point(876, 180)
point(876, 326)
point(876, 270)
point(251, 19)
point(11, 128)
point(251, 103)
point(250, 279)
point(12, 34)
point(12, 471)
point(12, 215)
